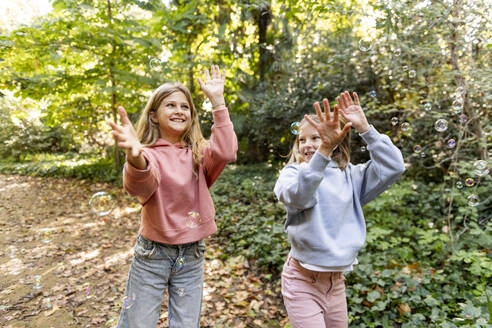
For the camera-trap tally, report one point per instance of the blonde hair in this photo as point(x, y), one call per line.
point(148, 132)
point(341, 154)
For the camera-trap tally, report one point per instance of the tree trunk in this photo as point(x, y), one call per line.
point(262, 19)
point(117, 160)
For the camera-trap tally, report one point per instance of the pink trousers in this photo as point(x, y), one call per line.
point(313, 299)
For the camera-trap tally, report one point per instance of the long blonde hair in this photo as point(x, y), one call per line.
point(148, 132)
point(341, 154)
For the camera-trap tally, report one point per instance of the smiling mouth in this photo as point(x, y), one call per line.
point(309, 154)
point(178, 120)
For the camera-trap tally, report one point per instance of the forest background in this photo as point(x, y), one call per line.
point(421, 68)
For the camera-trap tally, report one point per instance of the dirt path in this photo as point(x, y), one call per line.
point(63, 266)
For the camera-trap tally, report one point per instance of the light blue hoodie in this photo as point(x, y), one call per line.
point(325, 223)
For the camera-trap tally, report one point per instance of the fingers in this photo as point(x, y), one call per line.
point(347, 99)
point(310, 121)
point(200, 81)
point(335, 114)
point(326, 106)
point(123, 115)
point(318, 111)
point(207, 75)
point(223, 74)
point(346, 129)
point(356, 99)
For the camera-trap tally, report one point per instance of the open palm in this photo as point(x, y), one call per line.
point(351, 110)
point(213, 86)
point(329, 125)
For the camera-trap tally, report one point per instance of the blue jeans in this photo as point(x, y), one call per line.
point(155, 268)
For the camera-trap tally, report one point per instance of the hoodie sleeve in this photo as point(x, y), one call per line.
point(222, 146)
point(141, 183)
point(383, 169)
point(297, 184)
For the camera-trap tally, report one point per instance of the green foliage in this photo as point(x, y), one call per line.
point(67, 165)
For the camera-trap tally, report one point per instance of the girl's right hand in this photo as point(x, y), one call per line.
point(126, 136)
point(328, 128)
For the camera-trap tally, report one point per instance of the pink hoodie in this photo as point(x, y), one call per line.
point(170, 192)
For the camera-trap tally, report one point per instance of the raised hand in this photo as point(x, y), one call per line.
point(328, 127)
point(352, 111)
point(125, 135)
point(213, 87)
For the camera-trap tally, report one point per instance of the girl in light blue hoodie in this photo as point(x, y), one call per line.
point(323, 194)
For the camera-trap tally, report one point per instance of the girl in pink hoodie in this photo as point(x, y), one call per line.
point(170, 168)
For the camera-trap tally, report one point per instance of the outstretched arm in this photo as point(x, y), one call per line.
point(127, 139)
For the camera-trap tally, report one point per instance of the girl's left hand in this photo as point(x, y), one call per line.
point(213, 87)
point(352, 111)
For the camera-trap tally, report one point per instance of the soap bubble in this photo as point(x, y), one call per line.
point(365, 45)
point(101, 203)
point(372, 93)
point(394, 121)
point(463, 118)
point(180, 262)
point(128, 301)
point(469, 182)
point(461, 91)
point(362, 148)
point(405, 126)
point(155, 64)
point(451, 143)
point(457, 106)
point(397, 52)
point(417, 148)
point(427, 106)
point(37, 282)
point(47, 303)
point(45, 235)
point(294, 128)
point(459, 184)
point(412, 73)
point(405, 68)
point(481, 168)
point(473, 200)
point(441, 125)
point(193, 220)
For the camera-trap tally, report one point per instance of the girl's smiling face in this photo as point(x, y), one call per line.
point(173, 117)
point(309, 141)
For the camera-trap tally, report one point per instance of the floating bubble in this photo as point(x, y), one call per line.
point(405, 68)
point(441, 125)
point(294, 128)
point(37, 282)
point(87, 289)
point(181, 292)
point(457, 106)
point(365, 45)
point(155, 64)
point(394, 121)
point(372, 93)
point(463, 118)
point(473, 200)
point(111, 323)
point(207, 105)
point(101, 203)
point(417, 148)
point(459, 184)
point(412, 73)
point(405, 126)
point(481, 168)
point(422, 154)
point(128, 301)
point(461, 91)
point(469, 182)
point(427, 106)
point(193, 220)
point(397, 52)
point(47, 303)
point(451, 143)
point(180, 262)
point(45, 235)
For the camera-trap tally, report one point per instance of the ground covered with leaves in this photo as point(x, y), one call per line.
point(64, 266)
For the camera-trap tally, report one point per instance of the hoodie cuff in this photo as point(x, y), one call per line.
point(221, 117)
point(371, 135)
point(137, 174)
point(318, 162)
